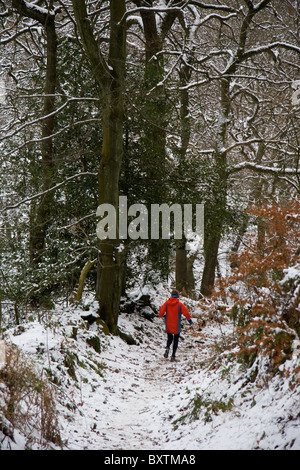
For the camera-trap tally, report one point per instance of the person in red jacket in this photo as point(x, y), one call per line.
point(172, 310)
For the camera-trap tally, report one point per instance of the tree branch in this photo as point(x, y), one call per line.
point(267, 47)
point(42, 193)
point(263, 169)
point(100, 68)
point(32, 11)
point(213, 7)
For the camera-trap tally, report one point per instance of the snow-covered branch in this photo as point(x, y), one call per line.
point(55, 134)
point(33, 11)
point(133, 11)
point(264, 169)
point(16, 34)
point(212, 6)
point(41, 118)
point(42, 193)
point(268, 47)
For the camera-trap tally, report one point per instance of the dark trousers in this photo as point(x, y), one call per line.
point(173, 339)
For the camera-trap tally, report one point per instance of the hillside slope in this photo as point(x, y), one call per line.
point(130, 397)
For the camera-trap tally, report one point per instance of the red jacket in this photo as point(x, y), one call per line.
point(173, 309)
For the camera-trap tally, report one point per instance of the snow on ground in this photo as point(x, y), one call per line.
point(129, 397)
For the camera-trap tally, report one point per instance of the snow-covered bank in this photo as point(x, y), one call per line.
point(128, 397)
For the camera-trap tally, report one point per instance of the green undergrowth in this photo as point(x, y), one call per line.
point(202, 407)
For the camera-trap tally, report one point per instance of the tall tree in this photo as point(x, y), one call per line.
point(156, 24)
point(250, 21)
point(41, 218)
point(110, 75)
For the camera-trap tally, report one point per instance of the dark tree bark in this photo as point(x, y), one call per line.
point(110, 77)
point(214, 227)
point(41, 218)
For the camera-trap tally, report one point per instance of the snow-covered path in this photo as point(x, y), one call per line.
point(130, 411)
point(145, 393)
point(142, 390)
point(132, 398)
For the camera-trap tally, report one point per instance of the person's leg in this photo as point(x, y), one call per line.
point(175, 344)
point(169, 342)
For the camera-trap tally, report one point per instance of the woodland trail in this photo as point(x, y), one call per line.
point(131, 406)
point(145, 384)
point(129, 397)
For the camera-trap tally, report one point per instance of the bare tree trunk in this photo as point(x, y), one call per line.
point(214, 227)
point(82, 278)
point(184, 269)
point(156, 115)
point(110, 282)
point(41, 217)
point(110, 76)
